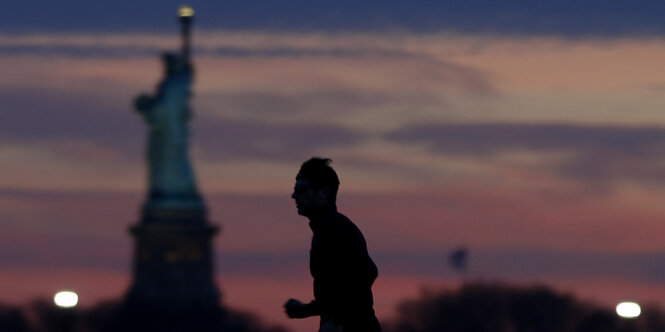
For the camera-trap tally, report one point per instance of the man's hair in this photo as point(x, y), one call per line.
point(319, 173)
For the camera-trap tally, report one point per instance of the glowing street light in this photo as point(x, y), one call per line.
point(66, 299)
point(628, 310)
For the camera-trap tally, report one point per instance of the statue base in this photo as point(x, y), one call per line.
point(173, 271)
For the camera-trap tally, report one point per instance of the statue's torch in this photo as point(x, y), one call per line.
point(186, 14)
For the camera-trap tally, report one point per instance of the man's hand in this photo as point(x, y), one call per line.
point(295, 309)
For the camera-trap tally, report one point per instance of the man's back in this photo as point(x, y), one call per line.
point(342, 270)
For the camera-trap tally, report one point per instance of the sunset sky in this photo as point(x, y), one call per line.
point(532, 134)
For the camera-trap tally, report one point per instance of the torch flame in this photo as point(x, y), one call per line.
point(185, 11)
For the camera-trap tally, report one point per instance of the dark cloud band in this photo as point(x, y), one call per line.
point(594, 153)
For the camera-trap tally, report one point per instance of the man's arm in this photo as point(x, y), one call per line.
point(297, 309)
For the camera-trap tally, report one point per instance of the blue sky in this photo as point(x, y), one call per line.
point(567, 18)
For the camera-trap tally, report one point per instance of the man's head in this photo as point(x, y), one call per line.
point(316, 187)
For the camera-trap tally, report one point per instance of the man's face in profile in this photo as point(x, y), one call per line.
point(309, 200)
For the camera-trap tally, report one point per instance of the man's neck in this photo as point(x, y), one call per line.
point(323, 213)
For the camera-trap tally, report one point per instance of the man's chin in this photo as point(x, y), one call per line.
point(303, 212)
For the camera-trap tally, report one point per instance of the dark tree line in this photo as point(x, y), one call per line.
point(43, 316)
point(501, 308)
point(13, 320)
point(472, 308)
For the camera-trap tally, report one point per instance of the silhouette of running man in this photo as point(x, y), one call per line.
point(342, 270)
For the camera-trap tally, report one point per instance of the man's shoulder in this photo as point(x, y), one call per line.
point(344, 225)
point(342, 221)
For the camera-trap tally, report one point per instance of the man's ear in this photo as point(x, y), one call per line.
point(324, 193)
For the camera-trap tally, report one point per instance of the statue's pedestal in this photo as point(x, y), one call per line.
point(173, 282)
